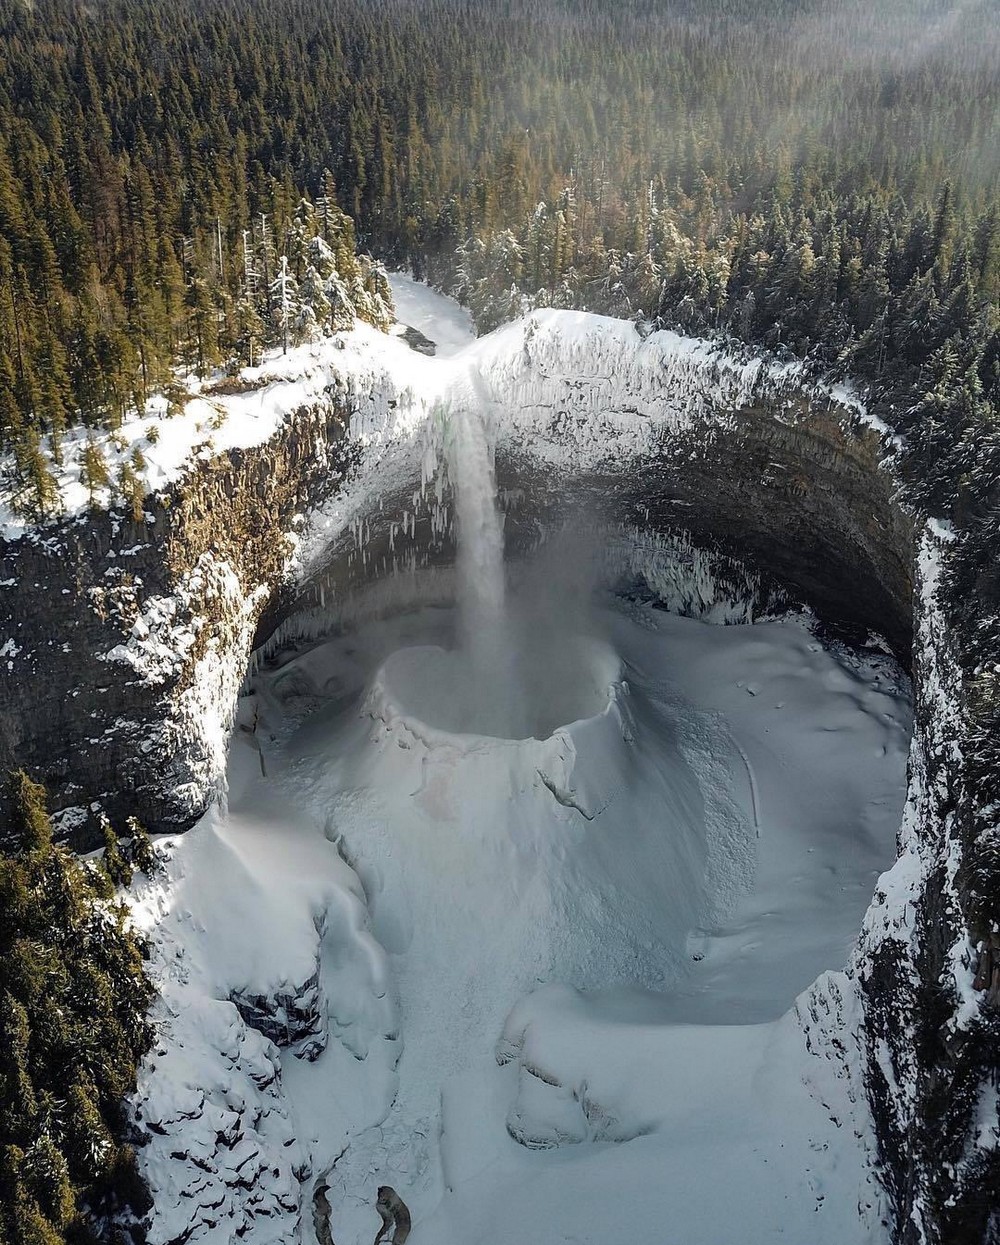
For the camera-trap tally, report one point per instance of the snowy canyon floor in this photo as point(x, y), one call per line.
point(551, 989)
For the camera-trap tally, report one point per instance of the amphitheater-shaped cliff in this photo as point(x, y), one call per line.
point(124, 639)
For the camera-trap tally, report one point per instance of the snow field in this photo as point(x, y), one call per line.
point(620, 913)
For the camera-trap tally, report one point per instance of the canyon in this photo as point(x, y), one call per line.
point(266, 655)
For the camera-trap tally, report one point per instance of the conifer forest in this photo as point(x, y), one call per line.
point(178, 181)
point(193, 189)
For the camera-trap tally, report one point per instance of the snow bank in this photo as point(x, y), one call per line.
point(619, 911)
point(441, 320)
point(242, 909)
point(579, 390)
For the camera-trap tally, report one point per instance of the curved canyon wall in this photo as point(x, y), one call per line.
point(596, 425)
point(123, 644)
point(125, 640)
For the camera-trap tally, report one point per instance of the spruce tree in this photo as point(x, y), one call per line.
point(94, 470)
point(73, 1002)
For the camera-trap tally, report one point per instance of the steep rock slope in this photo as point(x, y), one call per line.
point(925, 963)
point(125, 639)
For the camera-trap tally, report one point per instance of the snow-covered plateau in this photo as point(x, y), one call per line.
point(542, 921)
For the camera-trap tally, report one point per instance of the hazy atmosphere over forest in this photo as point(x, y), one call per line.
point(394, 396)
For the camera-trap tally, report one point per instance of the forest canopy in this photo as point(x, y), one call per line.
point(813, 177)
point(73, 1027)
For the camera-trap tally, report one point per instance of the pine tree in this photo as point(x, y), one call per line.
point(132, 491)
point(140, 852)
point(30, 823)
point(73, 1002)
point(94, 470)
point(203, 331)
point(314, 306)
point(284, 305)
point(113, 861)
point(538, 249)
point(18, 1102)
point(45, 1175)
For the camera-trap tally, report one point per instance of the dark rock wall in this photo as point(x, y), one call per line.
point(808, 503)
point(802, 498)
point(123, 640)
point(926, 965)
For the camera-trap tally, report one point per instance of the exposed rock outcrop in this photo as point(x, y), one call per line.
point(294, 1019)
point(930, 1024)
point(126, 640)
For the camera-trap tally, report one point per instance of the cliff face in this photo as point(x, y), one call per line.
point(125, 641)
point(926, 960)
point(123, 644)
point(795, 492)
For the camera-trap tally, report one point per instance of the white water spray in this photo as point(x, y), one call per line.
point(480, 552)
point(522, 664)
point(486, 649)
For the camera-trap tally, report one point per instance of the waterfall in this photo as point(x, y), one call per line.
point(479, 557)
point(486, 646)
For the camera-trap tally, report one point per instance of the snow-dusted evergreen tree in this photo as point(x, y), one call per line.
point(372, 294)
point(613, 296)
point(326, 289)
point(490, 272)
point(285, 308)
point(132, 489)
point(36, 492)
point(302, 228)
point(314, 306)
point(94, 470)
point(539, 249)
point(564, 239)
point(250, 335)
point(334, 226)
